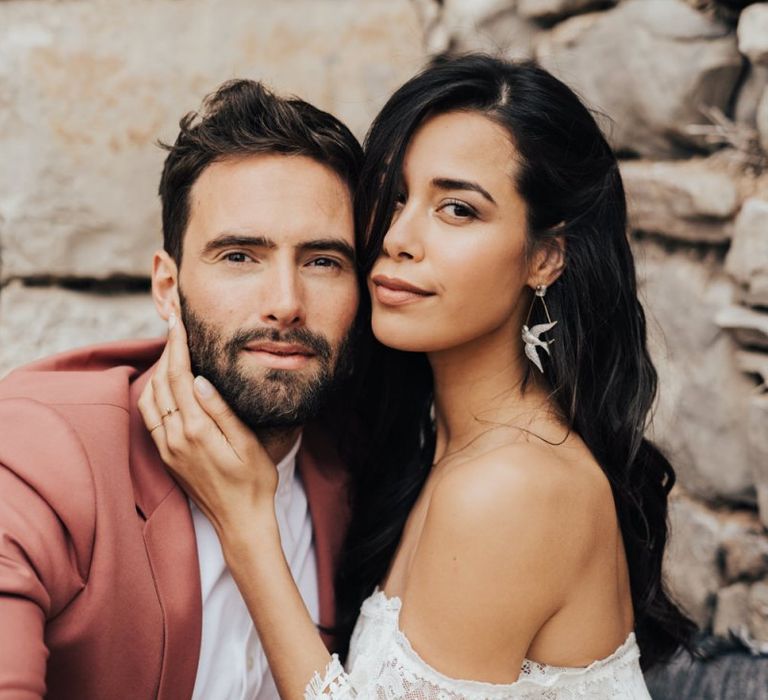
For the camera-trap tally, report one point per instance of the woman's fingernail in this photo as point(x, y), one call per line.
point(171, 321)
point(203, 386)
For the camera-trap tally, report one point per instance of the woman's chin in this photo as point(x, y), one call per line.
point(405, 339)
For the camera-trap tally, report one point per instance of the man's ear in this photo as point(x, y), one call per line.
point(165, 284)
point(548, 261)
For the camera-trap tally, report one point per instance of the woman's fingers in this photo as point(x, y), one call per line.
point(167, 404)
point(178, 352)
point(233, 429)
point(152, 418)
point(184, 420)
point(195, 423)
point(217, 460)
point(198, 435)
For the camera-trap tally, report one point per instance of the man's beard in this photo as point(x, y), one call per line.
point(279, 399)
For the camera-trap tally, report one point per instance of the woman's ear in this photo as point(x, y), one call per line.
point(548, 261)
point(165, 284)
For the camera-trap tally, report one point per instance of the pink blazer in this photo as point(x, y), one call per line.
point(99, 579)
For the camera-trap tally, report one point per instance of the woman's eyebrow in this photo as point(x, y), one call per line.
point(447, 183)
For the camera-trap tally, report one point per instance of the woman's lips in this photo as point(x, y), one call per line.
point(391, 291)
point(280, 355)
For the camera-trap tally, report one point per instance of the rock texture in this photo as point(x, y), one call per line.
point(731, 610)
point(668, 65)
point(689, 200)
point(550, 10)
point(745, 557)
point(761, 119)
point(700, 539)
point(35, 322)
point(749, 327)
point(758, 612)
point(758, 445)
point(747, 259)
point(491, 26)
point(81, 107)
point(700, 419)
point(750, 94)
point(506, 33)
point(753, 33)
point(691, 565)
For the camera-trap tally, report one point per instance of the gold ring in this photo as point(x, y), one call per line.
point(155, 427)
point(169, 412)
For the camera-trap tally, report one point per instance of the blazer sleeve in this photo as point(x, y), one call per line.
point(47, 512)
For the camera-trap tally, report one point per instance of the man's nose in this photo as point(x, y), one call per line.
point(402, 241)
point(284, 298)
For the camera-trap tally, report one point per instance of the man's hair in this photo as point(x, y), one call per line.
point(243, 118)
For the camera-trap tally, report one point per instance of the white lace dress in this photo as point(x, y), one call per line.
point(382, 665)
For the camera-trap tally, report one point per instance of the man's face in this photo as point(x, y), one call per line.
point(267, 284)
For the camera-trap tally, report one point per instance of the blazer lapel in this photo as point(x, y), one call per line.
point(325, 484)
point(169, 537)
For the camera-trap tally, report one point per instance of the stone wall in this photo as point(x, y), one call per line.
point(87, 86)
point(86, 89)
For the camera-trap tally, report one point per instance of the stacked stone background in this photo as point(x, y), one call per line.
point(86, 89)
point(87, 86)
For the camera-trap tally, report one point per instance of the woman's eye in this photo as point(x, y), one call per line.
point(399, 200)
point(459, 210)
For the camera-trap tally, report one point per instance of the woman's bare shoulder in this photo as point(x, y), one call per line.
point(505, 538)
point(527, 491)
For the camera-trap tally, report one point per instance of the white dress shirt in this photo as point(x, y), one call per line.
point(232, 663)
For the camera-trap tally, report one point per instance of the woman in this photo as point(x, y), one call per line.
point(508, 535)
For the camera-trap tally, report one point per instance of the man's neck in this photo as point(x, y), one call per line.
point(278, 443)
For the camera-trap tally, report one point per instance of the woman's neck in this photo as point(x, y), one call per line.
point(479, 387)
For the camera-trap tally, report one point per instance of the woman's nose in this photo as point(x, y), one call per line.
point(402, 241)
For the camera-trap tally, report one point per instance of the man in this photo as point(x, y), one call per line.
point(111, 585)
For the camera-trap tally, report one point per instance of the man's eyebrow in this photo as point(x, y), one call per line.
point(229, 240)
point(447, 183)
point(338, 245)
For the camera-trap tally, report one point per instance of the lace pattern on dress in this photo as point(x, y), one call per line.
point(334, 683)
point(384, 666)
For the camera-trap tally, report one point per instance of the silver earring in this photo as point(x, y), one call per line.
point(531, 335)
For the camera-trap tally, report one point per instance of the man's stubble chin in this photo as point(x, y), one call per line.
point(266, 400)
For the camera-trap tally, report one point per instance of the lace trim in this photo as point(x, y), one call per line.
point(532, 674)
point(386, 667)
point(334, 683)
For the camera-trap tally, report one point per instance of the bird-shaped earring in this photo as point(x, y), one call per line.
point(531, 335)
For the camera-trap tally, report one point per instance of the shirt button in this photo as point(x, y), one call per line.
point(249, 663)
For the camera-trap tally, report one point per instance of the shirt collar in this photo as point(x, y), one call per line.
point(286, 468)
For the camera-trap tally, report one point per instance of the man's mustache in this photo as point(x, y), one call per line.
point(314, 342)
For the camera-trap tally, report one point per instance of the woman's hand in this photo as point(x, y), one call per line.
point(217, 460)
point(225, 470)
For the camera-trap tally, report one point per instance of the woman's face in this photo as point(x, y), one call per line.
point(453, 265)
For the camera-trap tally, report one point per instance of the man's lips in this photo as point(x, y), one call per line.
point(279, 348)
point(280, 355)
point(392, 291)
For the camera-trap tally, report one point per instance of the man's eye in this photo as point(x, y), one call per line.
point(236, 257)
point(324, 262)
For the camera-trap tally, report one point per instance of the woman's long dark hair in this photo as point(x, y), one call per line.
point(602, 377)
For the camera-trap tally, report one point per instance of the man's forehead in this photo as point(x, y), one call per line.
point(271, 173)
point(286, 198)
